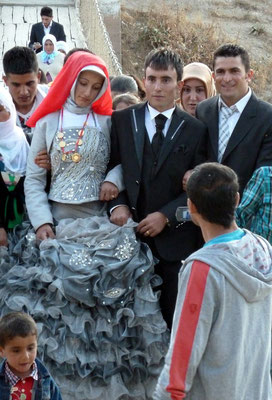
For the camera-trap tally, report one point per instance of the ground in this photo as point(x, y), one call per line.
point(195, 28)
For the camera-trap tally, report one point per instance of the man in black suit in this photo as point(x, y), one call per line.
point(46, 26)
point(156, 143)
point(239, 124)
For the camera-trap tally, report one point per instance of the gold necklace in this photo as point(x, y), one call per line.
point(75, 156)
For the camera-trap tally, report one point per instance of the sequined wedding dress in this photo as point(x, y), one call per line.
point(90, 290)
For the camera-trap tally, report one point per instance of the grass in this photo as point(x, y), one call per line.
point(193, 40)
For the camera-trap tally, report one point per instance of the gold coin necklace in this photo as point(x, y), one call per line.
point(75, 156)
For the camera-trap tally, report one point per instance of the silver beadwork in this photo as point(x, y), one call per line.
point(30, 237)
point(80, 257)
point(124, 251)
point(114, 293)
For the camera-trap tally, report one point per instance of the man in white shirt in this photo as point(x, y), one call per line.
point(156, 143)
point(239, 124)
point(42, 28)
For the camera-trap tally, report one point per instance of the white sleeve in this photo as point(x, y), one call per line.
point(37, 204)
point(115, 176)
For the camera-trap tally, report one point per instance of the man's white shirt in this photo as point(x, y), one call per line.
point(234, 118)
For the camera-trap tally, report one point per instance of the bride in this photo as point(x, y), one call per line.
point(89, 284)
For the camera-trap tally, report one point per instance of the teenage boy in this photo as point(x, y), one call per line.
point(221, 339)
point(22, 76)
point(22, 375)
point(156, 143)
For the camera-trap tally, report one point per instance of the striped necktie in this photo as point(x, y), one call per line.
point(224, 130)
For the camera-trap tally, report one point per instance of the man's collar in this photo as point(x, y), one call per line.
point(49, 26)
point(240, 105)
point(153, 112)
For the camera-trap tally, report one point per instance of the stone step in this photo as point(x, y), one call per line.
point(16, 22)
point(38, 3)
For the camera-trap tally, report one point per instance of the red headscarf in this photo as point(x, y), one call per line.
point(61, 87)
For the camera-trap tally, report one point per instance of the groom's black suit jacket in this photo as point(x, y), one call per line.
point(183, 148)
point(250, 145)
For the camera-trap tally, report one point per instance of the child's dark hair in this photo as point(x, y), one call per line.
point(16, 324)
point(74, 50)
point(128, 98)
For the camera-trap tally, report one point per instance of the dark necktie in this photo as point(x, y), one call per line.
point(158, 137)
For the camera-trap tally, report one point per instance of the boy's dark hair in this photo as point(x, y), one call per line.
point(74, 50)
point(232, 50)
point(162, 59)
point(213, 188)
point(47, 12)
point(124, 84)
point(16, 324)
point(20, 60)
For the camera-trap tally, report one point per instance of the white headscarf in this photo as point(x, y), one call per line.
point(70, 104)
point(61, 45)
point(13, 144)
point(49, 58)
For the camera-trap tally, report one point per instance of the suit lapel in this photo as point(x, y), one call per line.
point(41, 31)
point(138, 129)
point(53, 30)
point(243, 125)
point(212, 124)
point(173, 133)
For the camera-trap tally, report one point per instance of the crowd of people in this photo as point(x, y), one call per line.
point(119, 297)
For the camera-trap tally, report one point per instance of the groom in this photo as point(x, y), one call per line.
point(156, 143)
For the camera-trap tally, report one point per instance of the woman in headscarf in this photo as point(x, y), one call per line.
point(90, 285)
point(198, 85)
point(13, 157)
point(50, 59)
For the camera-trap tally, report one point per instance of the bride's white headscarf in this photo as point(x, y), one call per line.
point(13, 144)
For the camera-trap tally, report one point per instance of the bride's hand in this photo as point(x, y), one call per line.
point(44, 232)
point(108, 191)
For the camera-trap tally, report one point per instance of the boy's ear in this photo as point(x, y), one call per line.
point(2, 352)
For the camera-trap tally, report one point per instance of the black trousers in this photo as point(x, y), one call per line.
point(168, 271)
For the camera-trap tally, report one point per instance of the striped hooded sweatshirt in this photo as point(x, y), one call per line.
point(220, 345)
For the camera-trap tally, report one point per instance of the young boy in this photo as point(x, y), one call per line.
point(22, 375)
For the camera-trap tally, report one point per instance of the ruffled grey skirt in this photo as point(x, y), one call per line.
point(90, 290)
